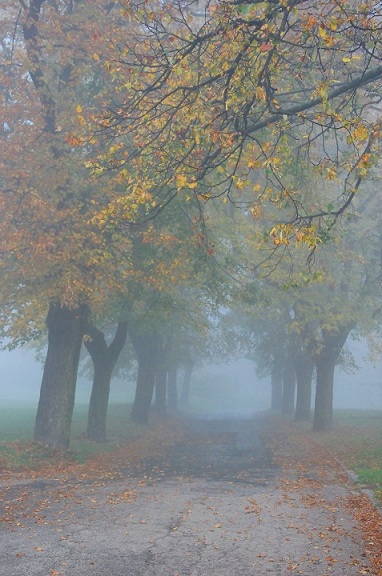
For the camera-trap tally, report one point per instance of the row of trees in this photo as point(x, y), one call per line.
point(63, 258)
point(295, 323)
point(121, 122)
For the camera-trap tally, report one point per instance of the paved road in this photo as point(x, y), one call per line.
point(214, 505)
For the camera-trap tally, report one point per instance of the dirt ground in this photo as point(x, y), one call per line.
point(230, 497)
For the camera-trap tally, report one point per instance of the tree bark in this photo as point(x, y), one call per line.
point(172, 388)
point(104, 358)
point(326, 360)
point(323, 412)
point(289, 387)
point(56, 403)
point(146, 348)
point(304, 366)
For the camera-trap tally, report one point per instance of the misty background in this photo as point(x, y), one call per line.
point(232, 387)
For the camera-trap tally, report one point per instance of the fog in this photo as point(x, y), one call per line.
point(230, 388)
point(21, 375)
point(361, 389)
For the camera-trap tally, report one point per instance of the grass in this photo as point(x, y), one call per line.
point(19, 452)
point(356, 440)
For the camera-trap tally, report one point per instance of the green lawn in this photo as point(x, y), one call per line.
point(18, 451)
point(356, 440)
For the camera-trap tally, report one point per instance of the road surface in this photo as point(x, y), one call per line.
point(215, 504)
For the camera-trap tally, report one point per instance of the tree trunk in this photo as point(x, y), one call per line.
point(160, 390)
point(56, 403)
point(185, 392)
point(104, 358)
point(172, 388)
point(277, 387)
point(289, 387)
point(304, 371)
point(146, 348)
point(326, 360)
point(99, 400)
point(323, 410)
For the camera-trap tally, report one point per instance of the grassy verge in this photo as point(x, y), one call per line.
point(356, 440)
point(18, 452)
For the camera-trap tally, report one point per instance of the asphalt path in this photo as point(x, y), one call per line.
point(215, 504)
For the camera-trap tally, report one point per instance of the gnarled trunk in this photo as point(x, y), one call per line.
point(56, 403)
point(104, 358)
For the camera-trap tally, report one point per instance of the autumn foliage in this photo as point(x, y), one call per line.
point(223, 100)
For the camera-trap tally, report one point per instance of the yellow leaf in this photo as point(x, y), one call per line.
point(260, 93)
point(181, 180)
point(333, 24)
point(361, 133)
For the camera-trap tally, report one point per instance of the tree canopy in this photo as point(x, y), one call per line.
point(217, 97)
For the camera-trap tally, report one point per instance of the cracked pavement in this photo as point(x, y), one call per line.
point(215, 504)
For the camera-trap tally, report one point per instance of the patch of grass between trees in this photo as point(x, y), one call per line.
point(356, 441)
point(18, 452)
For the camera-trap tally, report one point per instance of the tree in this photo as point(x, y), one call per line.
point(104, 358)
point(209, 102)
point(53, 255)
point(324, 339)
point(66, 328)
point(346, 299)
point(160, 327)
point(146, 345)
point(289, 387)
point(304, 366)
point(296, 313)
